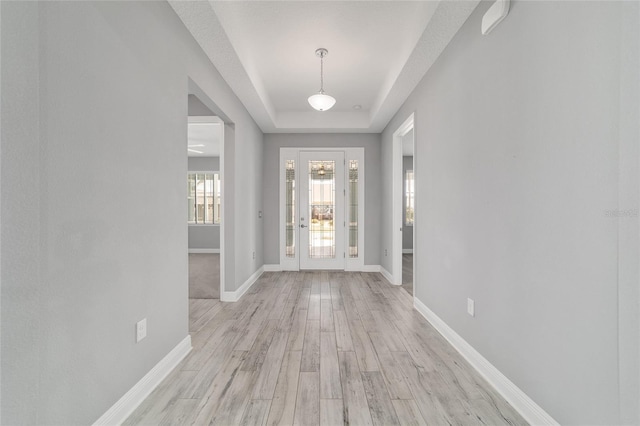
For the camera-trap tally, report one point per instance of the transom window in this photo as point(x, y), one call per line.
point(203, 199)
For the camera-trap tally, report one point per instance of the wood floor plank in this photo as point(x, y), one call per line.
point(430, 408)
point(393, 376)
point(356, 408)
point(326, 315)
point(311, 348)
point(256, 413)
point(489, 414)
point(270, 370)
point(331, 412)
point(200, 385)
point(211, 401)
point(303, 298)
point(298, 329)
point(314, 307)
point(363, 347)
point(258, 351)
point(380, 407)
point(408, 412)
point(234, 401)
point(181, 412)
point(284, 399)
point(308, 401)
point(197, 324)
point(387, 330)
point(196, 359)
point(158, 405)
point(330, 387)
point(320, 347)
point(325, 289)
point(336, 297)
point(343, 333)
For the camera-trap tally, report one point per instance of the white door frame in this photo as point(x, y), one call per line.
point(215, 119)
point(350, 154)
point(397, 189)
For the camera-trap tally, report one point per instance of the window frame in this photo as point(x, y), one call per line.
point(219, 196)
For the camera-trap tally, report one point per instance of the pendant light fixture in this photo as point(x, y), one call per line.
point(320, 101)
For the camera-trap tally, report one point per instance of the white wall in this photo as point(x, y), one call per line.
point(93, 235)
point(525, 140)
point(270, 185)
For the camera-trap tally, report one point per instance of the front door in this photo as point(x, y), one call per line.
point(322, 205)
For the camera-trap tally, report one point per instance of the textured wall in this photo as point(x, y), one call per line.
point(93, 235)
point(526, 151)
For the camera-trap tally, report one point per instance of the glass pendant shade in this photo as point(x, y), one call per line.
point(321, 102)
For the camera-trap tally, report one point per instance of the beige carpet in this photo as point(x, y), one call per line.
point(204, 276)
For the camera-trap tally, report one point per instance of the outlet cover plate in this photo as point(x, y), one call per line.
point(141, 330)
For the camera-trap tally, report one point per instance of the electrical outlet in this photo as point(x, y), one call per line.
point(254, 254)
point(471, 309)
point(385, 252)
point(141, 330)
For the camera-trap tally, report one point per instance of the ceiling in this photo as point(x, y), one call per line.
point(204, 139)
point(378, 52)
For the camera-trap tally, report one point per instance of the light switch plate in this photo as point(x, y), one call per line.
point(471, 309)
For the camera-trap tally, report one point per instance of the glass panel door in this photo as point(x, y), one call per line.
point(322, 210)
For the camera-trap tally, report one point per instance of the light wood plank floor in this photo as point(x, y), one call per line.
point(407, 273)
point(320, 348)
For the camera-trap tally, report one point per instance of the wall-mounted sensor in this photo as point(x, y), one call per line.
point(496, 13)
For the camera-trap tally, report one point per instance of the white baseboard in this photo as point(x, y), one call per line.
point(272, 268)
point(532, 412)
point(386, 274)
point(407, 251)
point(204, 251)
point(119, 412)
point(363, 268)
point(234, 296)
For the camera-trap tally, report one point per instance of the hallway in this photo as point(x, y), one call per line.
point(314, 348)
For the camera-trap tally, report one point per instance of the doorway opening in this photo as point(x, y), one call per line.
point(321, 209)
point(404, 205)
point(408, 211)
point(205, 222)
point(205, 136)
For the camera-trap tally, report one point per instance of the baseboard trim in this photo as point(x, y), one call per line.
point(407, 251)
point(203, 251)
point(363, 268)
point(532, 412)
point(387, 275)
point(123, 408)
point(272, 268)
point(234, 296)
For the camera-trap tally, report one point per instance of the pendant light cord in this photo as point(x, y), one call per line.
point(321, 73)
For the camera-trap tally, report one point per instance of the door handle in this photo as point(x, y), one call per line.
point(302, 225)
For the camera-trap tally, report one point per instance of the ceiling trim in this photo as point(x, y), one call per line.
point(202, 22)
